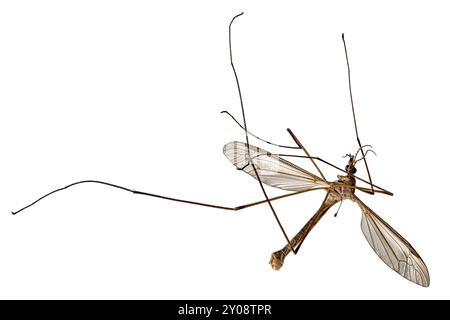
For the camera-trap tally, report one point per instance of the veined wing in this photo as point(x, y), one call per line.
point(392, 248)
point(273, 170)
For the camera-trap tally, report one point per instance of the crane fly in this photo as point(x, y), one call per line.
point(274, 170)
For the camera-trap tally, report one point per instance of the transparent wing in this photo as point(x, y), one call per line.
point(273, 170)
point(392, 248)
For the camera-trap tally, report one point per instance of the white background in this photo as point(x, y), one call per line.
point(130, 93)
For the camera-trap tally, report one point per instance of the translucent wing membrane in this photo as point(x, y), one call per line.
point(273, 170)
point(392, 248)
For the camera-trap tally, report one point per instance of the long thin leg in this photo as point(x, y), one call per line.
point(245, 206)
point(261, 139)
point(162, 197)
point(306, 152)
point(277, 258)
point(353, 111)
point(246, 136)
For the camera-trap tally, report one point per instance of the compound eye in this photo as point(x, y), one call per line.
point(352, 170)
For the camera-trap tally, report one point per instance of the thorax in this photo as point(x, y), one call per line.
point(344, 187)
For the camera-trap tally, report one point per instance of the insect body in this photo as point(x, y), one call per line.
point(345, 185)
point(275, 171)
